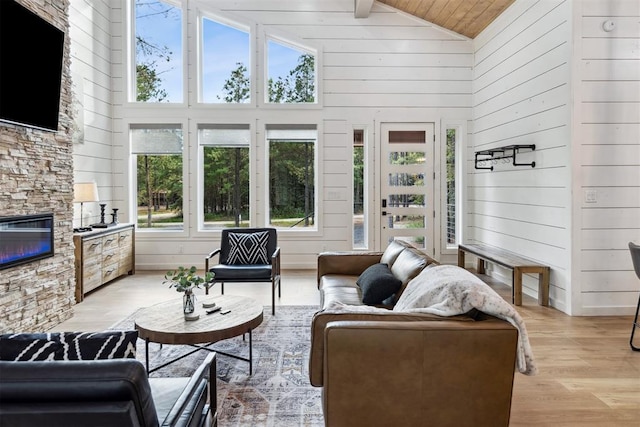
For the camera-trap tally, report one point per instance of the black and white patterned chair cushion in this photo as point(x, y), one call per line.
point(248, 248)
point(68, 346)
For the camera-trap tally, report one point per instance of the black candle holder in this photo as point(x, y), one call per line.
point(102, 223)
point(114, 216)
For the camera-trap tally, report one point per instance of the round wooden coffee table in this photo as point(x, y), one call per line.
point(164, 323)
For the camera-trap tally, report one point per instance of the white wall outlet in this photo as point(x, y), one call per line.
point(591, 196)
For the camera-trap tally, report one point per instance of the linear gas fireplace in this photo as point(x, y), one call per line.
point(25, 238)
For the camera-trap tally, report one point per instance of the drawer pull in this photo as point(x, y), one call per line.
point(94, 245)
point(108, 241)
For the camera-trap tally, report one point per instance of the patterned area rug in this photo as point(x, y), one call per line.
point(278, 394)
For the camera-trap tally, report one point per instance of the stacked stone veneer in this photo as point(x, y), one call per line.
point(36, 176)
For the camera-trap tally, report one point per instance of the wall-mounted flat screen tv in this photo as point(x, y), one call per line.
point(31, 55)
point(25, 238)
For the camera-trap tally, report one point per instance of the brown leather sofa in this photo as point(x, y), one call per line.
point(387, 368)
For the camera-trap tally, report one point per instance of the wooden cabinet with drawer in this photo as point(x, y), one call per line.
point(102, 255)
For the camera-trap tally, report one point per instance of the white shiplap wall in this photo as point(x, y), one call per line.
point(391, 67)
point(388, 67)
point(606, 155)
point(521, 93)
point(547, 73)
point(90, 72)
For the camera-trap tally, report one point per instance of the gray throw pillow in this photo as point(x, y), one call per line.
point(377, 284)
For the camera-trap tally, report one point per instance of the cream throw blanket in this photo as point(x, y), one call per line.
point(449, 290)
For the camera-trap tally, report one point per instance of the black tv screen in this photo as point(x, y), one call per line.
point(31, 54)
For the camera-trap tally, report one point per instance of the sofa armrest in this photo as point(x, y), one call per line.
point(348, 263)
point(322, 318)
point(194, 404)
point(447, 372)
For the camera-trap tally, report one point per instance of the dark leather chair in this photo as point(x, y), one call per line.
point(112, 392)
point(635, 258)
point(247, 255)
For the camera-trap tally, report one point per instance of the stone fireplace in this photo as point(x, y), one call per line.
point(36, 172)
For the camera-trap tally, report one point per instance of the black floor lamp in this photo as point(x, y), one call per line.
point(84, 192)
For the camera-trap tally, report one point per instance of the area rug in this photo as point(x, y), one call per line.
point(278, 394)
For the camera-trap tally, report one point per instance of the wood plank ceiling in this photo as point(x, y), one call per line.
point(466, 17)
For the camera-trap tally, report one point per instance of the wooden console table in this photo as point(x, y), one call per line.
point(516, 263)
point(102, 255)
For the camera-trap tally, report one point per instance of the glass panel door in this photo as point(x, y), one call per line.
point(406, 185)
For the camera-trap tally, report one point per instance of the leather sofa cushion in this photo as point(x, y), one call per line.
point(392, 251)
point(409, 263)
point(338, 281)
point(344, 295)
point(165, 392)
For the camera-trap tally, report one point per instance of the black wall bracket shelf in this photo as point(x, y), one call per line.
point(508, 153)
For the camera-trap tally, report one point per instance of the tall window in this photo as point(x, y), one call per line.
point(451, 187)
point(359, 189)
point(291, 74)
point(157, 152)
point(292, 165)
point(158, 52)
point(225, 63)
point(225, 185)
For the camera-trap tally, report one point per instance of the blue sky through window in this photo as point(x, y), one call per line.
point(223, 48)
point(160, 25)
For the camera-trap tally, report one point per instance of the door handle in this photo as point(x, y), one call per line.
point(384, 213)
point(384, 203)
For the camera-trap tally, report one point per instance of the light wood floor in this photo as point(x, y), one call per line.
point(588, 375)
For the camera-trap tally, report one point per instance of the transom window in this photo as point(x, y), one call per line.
point(158, 52)
point(225, 63)
point(291, 74)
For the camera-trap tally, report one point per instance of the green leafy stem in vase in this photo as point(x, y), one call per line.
point(185, 279)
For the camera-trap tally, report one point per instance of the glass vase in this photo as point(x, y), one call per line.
point(188, 302)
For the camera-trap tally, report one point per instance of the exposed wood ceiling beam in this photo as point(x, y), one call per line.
point(363, 8)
